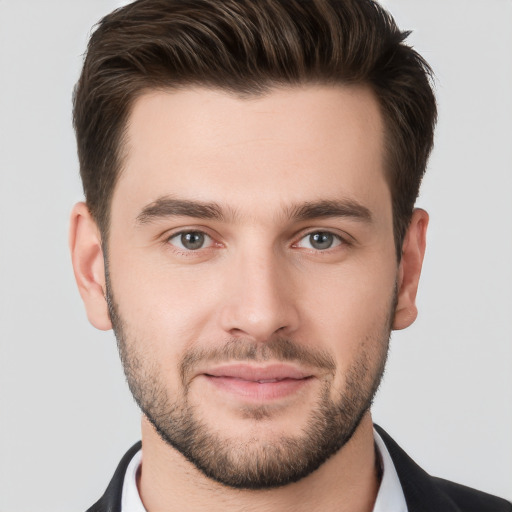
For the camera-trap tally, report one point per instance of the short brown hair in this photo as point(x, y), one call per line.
point(248, 47)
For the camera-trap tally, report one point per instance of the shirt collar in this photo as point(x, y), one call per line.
point(130, 501)
point(389, 497)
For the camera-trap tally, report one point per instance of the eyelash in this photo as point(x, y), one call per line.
point(338, 241)
point(184, 250)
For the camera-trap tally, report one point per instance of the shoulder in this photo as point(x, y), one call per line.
point(425, 493)
point(472, 500)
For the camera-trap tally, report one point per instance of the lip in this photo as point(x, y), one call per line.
point(250, 372)
point(260, 383)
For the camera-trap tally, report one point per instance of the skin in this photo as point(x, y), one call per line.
point(258, 276)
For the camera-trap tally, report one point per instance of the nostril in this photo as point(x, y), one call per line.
point(237, 332)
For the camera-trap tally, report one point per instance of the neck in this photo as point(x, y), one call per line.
point(346, 482)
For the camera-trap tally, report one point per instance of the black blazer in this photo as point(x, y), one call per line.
point(423, 493)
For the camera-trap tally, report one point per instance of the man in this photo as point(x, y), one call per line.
point(249, 232)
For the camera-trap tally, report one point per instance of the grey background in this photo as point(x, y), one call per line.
point(66, 415)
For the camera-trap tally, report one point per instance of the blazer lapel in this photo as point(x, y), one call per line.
point(111, 500)
point(421, 492)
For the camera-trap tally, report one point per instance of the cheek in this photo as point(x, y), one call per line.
point(164, 310)
point(351, 311)
point(168, 308)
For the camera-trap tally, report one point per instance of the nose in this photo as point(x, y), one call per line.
point(260, 298)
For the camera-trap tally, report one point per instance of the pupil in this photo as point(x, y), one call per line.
point(193, 240)
point(321, 240)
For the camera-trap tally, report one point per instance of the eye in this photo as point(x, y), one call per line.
point(320, 241)
point(190, 240)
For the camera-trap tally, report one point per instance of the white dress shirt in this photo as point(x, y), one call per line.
point(389, 497)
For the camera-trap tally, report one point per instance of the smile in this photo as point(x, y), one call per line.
point(258, 383)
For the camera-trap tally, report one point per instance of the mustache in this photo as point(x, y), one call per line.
point(277, 349)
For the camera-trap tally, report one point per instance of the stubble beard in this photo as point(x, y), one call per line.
point(254, 463)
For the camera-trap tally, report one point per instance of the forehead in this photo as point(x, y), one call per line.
point(289, 145)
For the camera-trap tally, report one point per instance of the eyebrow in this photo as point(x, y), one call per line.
point(171, 207)
point(330, 208)
point(165, 207)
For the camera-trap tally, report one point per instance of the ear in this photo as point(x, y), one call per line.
point(88, 265)
point(409, 270)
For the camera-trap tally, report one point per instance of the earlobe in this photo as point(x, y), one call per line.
point(413, 251)
point(88, 265)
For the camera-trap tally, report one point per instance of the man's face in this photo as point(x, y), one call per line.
point(252, 274)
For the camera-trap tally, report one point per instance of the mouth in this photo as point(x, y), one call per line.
point(258, 383)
